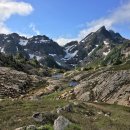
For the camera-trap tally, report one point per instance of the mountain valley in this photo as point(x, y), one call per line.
point(82, 85)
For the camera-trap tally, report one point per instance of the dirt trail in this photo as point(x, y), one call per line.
point(99, 106)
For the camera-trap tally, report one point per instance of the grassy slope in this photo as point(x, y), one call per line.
point(19, 113)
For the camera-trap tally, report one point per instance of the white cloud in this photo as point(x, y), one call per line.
point(119, 16)
point(62, 41)
point(33, 27)
point(9, 8)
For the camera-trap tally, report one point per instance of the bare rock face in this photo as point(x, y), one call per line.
point(15, 83)
point(61, 123)
point(105, 85)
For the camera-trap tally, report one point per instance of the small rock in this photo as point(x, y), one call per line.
point(31, 127)
point(1, 100)
point(100, 113)
point(68, 108)
point(90, 113)
point(44, 118)
point(34, 98)
point(108, 114)
point(61, 123)
point(76, 103)
point(37, 117)
point(20, 128)
point(96, 101)
point(59, 110)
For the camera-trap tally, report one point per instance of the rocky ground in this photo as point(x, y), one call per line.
point(51, 114)
point(16, 83)
point(104, 85)
point(74, 100)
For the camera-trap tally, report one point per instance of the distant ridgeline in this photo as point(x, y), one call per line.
point(99, 48)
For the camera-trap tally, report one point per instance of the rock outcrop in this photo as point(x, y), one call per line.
point(15, 83)
point(105, 85)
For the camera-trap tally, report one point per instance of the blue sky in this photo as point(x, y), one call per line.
point(65, 20)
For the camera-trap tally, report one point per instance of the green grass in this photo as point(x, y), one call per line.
point(73, 127)
point(18, 113)
point(124, 66)
point(46, 127)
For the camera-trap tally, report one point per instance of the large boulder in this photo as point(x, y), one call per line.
point(61, 123)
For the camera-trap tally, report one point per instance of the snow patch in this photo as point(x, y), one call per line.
point(23, 42)
point(31, 56)
point(8, 40)
point(106, 43)
point(37, 57)
point(36, 38)
point(106, 53)
point(2, 50)
point(69, 48)
point(58, 63)
point(26, 49)
point(17, 49)
point(44, 41)
point(52, 55)
point(83, 41)
point(92, 50)
point(70, 55)
point(5, 37)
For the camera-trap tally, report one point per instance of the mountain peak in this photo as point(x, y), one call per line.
point(102, 29)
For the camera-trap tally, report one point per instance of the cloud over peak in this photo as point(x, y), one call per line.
point(9, 8)
point(32, 26)
point(119, 16)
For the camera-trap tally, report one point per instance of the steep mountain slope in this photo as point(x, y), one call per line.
point(71, 50)
point(40, 47)
point(96, 46)
point(9, 44)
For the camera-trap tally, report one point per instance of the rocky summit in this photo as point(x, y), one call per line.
point(83, 85)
